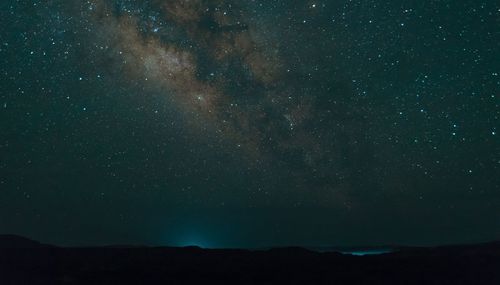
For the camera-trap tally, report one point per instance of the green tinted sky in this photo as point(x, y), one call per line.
point(250, 123)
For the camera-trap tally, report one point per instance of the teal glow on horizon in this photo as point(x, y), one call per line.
point(368, 252)
point(193, 240)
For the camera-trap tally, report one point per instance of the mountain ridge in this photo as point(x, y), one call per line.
point(30, 262)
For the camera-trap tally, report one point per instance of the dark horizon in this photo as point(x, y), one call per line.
point(18, 241)
point(26, 262)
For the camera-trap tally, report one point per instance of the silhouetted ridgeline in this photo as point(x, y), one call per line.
point(23, 261)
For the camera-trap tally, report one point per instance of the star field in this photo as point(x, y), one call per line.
point(250, 123)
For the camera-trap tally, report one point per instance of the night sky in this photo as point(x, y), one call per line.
point(250, 123)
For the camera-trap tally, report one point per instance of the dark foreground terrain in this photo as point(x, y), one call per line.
point(23, 261)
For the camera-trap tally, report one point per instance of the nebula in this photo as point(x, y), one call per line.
point(214, 66)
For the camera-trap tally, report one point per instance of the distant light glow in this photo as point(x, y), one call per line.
point(194, 242)
point(192, 239)
point(368, 252)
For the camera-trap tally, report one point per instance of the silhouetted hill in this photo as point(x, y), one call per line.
point(463, 264)
point(14, 241)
